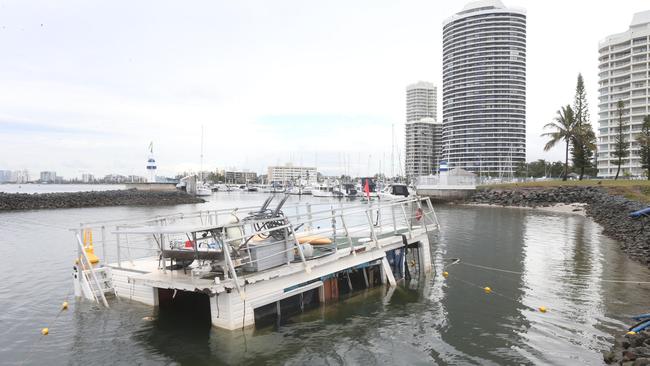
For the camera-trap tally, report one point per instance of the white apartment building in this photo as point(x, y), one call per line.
point(484, 88)
point(290, 173)
point(624, 74)
point(423, 134)
point(49, 177)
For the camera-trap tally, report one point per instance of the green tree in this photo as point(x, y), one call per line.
point(584, 139)
point(644, 145)
point(556, 169)
point(564, 126)
point(521, 170)
point(621, 146)
point(537, 168)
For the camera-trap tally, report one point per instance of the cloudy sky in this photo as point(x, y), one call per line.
point(86, 85)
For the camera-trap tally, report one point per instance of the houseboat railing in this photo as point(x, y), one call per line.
point(340, 217)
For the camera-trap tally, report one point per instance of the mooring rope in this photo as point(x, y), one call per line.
point(521, 273)
point(45, 331)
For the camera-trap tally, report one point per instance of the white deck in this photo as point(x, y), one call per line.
point(235, 294)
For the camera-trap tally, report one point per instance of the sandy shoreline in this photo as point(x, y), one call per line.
point(571, 208)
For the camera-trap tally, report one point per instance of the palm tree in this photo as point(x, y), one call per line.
point(564, 125)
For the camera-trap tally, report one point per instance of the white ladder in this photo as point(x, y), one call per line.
point(103, 278)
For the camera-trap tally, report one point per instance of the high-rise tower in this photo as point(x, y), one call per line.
point(422, 130)
point(484, 88)
point(624, 74)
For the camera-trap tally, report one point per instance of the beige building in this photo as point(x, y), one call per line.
point(290, 173)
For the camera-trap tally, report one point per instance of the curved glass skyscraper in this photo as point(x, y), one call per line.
point(484, 88)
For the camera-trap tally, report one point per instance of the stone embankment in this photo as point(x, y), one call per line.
point(610, 211)
point(631, 350)
point(131, 197)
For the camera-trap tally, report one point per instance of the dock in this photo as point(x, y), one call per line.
point(255, 261)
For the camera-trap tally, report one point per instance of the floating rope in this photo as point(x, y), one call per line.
point(521, 273)
point(46, 331)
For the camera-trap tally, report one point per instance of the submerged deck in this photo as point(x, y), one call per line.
point(362, 238)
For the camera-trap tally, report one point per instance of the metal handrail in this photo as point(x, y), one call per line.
point(308, 217)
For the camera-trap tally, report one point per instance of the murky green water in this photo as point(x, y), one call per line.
point(553, 260)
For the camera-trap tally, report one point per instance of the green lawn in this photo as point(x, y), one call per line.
point(638, 190)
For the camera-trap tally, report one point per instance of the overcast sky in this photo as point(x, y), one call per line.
point(85, 85)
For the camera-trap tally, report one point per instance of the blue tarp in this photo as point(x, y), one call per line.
point(644, 212)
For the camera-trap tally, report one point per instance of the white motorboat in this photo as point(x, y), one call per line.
point(394, 191)
point(203, 189)
point(298, 190)
point(326, 191)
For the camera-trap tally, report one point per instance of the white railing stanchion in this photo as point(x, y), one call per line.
point(408, 222)
point(309, 217)
point(104, 244)
point(229, 264)
point(372, 228)
point(347, 235)
point(117, 238)
point(300, 251)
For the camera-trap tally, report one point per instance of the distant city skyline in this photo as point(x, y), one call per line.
point(84, 87)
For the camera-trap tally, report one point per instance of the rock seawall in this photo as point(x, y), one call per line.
point(131, 197)
point(610, 211)
point(630, 350)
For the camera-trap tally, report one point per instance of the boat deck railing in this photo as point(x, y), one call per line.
point(347, 226)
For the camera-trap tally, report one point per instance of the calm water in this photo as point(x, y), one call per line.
point(555, 260)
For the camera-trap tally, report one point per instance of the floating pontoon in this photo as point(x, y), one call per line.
point(249, 260)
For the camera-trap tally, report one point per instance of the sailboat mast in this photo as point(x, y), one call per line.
point(392, 150)
point(201, 172)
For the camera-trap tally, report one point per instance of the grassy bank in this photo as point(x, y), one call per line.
point(637, 190)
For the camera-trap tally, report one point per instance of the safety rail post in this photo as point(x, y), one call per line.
point(406, 218)
point(333, 223)
point(309, 217)
point(229, 264)
point(392, 212)
point(84, 257)
point(300, 251)
point(430, 205)
point(372, 227)
point(424, 217)
point(117, 239)
point(104, 244)
point(297, 213)
point(347, 235)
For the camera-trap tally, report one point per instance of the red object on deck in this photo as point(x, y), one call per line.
point(188, 244)
point(366, 189)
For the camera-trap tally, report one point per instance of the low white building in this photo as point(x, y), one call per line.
point(290, 173)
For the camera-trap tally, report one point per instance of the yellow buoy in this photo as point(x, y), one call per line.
point(64, 306)
point(487, 290)
point(445, 274)
point(631, 332)
point(542, 309)
point(45, 331)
